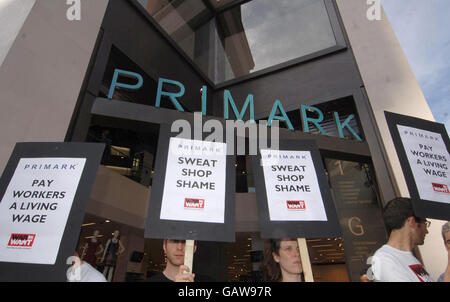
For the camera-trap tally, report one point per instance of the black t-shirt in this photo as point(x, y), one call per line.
point(160, 277)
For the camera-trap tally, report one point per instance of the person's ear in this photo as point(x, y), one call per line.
point(276, 257)
point(411, 222)
point(164, 246)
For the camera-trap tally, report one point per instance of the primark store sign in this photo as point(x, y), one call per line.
point(278, 112)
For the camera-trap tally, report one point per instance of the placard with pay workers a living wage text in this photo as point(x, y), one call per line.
point(35, 208)
point(429, 159)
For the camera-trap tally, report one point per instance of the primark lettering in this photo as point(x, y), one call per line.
point(228, 101)
point(50, 167)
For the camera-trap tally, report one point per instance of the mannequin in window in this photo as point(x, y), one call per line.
point(91, 249)
point(113, 249)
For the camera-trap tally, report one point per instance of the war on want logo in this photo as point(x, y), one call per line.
point(441, 188)
point(420, 272)
point(21, 240)
point(296, 205)
point(194, 203)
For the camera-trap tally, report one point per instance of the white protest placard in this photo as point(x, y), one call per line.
point(292, 187)
point(35, 208)
point(429, 161)
point(194, 186)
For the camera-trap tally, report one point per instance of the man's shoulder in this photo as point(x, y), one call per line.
point(91, 274)
point(388, 251)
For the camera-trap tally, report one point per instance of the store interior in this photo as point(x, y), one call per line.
point(234, 262)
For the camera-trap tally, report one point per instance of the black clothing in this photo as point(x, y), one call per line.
point(160, 277)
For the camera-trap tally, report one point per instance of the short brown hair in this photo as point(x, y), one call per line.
point(396, 212)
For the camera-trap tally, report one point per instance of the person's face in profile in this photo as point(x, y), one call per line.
point(447, 240)
point(421, 230)
point(289, 257)
point(174, 250)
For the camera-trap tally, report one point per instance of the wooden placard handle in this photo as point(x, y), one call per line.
point(189, 254)
point(306, 263)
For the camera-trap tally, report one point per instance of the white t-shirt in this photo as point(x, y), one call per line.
point(392, 265)
point(86, 274)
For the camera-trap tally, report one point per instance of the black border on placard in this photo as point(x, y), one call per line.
point(422, 208)
point(23, 272)
point(296, 229)
point(187, 230)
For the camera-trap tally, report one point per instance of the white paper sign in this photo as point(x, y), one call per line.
point(35, 208)
point(429, 161)
point(292, 188)
point(194, 187)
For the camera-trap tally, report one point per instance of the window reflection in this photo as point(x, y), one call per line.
point(279, 31)
point(245, 38)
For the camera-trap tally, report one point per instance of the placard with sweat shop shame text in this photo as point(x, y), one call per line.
point(194, 187)
point(294, 198)
point(193, 190)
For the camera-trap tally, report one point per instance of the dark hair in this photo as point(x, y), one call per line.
point(396, 212)
point(270, 269)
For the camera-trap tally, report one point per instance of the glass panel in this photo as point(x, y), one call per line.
point(264, 33)
point(357, 203)
point(180, 19)
point(246, 38)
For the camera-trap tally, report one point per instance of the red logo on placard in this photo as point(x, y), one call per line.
point(440, 188)
point(21, 240)
point(194, 203)
point(296, 205)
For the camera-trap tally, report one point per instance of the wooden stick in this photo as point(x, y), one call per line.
point(189, 254)
point(306, 263)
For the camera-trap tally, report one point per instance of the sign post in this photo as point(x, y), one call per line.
point(306, 262)
point(189, 254)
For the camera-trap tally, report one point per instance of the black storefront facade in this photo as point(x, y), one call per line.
point(218, 57)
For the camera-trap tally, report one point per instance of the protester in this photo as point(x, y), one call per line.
point(394, 261)
point(175, 270)
point(282, 261)
point(445, 277)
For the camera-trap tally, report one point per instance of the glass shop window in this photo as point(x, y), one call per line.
point(228, 43)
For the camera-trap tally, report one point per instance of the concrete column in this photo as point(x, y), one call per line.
point(391, 86)
point(41, 76)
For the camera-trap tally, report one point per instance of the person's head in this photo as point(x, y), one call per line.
point(174, 251)
point(281, 260)
point(446, 234)
point(398, 215)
